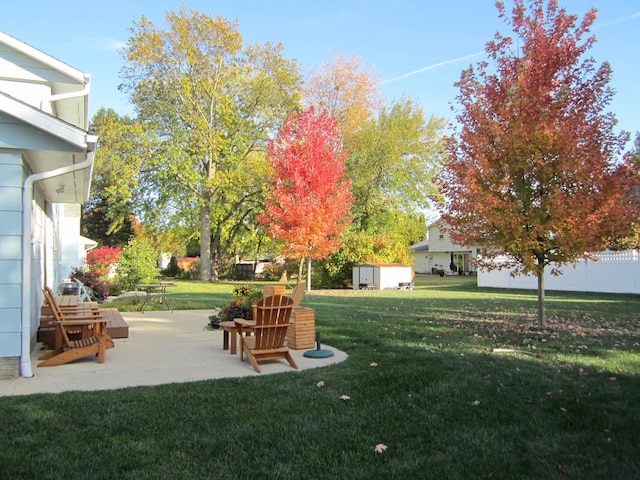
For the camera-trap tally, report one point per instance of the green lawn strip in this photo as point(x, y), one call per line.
point(423, 378)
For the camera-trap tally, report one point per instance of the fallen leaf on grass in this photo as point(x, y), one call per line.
point(380, 448)
point(373, 364)
point(345, 397)
point(320, 384)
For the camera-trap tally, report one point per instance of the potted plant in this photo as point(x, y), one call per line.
point(249, 302)
point(241, 292)
point(245, 298)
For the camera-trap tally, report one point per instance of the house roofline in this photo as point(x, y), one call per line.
point(43, 121)
point(42, 57)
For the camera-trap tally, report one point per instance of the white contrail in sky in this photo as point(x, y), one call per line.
point(431, 67)
point(618, 20)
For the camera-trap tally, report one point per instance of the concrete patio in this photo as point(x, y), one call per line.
point(163, 347)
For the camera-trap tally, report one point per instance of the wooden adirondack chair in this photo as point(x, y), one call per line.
point(77, 308)
point(269, 329)
point(80, 307)
point(93, 335)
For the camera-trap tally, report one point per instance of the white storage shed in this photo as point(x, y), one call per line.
point(381, 276)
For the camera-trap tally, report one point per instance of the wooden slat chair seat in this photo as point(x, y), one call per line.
point(272, 319)
point(93, 341)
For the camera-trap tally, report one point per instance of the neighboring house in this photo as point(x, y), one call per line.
point(438, 252)
point(46, 161)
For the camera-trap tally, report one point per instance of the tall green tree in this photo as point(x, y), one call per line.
point(534, 173)
point(210, 102)
point(395, 159)
point(122, 145)
point(348, 91)
point(98, 223)
point(392, 166)
point(394, 152)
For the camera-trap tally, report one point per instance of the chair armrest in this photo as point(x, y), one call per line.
point(87, 321)
point(244, 323)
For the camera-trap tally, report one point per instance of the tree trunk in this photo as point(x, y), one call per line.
point(300, 269)
point(215, 257)
point(283, 276)
point(541, 317)
point(205, 244)
point(309, 274)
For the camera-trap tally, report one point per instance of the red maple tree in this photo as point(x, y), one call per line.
point(535, 173)
point(310, 198)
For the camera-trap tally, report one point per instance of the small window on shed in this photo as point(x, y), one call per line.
point(441, 234)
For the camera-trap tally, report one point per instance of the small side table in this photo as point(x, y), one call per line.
point(229, 328)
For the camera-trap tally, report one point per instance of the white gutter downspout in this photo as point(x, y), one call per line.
point(63, 96)
point(27, 197)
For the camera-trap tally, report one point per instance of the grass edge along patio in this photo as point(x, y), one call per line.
point(423, 394)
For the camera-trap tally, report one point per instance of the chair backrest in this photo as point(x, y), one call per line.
point(57, 313)
point(297, 294)
point(50, 297)
point(273, 315)
point(84, 294)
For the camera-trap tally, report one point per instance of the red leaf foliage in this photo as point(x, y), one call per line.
point(310, 198)
point(534, 172)
point(99, 260)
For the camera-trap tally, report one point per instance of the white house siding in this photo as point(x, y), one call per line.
point(11, 179)
point(421, 262)
point(437, 244)
point(11, 175)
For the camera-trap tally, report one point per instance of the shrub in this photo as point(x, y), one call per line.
point(272, 272)
point(192, 271)
point(137, 264)
point(99, 260)
point(172, 269)
point(114, 288)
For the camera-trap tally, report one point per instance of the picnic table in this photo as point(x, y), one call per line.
point(156, 290)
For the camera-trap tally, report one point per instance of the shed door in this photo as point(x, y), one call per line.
point(366, 275)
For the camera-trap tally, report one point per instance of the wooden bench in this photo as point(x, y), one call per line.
point(117, 327)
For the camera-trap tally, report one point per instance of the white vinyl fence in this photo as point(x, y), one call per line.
point(613, 272)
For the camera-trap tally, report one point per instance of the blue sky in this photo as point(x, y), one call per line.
point(417, 47)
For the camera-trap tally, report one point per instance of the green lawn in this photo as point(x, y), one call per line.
point(422, 378)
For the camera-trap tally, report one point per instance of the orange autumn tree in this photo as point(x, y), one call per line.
point(309, 202)
point(534, 173)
